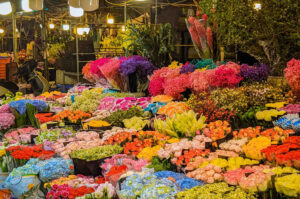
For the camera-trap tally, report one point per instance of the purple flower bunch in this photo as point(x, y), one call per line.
point(187, 68)
point(137, 64)
point(258, 73)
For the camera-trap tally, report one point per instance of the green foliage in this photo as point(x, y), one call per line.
point(271, 34)
point(161, 165)
point(155, 44)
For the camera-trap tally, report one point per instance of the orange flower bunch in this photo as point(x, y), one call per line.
point(189, 155)
point(173, 107)
point(275, 134)
point(121, 138)
point(72, 116)
point(217, 130)
point(144, 139)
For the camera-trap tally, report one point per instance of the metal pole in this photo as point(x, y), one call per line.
point(44, 35)
point(125, 20)
point(155, 20)
point(77, 58)
point(125, 14)
point(15, 41)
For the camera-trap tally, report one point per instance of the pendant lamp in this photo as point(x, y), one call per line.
point(36, 4)
point(5, 8)
point(74, 3)
point(89, 5)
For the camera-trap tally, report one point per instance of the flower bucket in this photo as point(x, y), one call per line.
point(88, 168)
point(132, 80)
point(20, 185)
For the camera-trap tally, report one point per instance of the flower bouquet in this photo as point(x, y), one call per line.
point(21, 154)
point(137, 69)
point(82, 140)
point(291, 74)
point(87, 161)
point(21, 135)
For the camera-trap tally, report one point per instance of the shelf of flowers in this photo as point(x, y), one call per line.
point(218, 132)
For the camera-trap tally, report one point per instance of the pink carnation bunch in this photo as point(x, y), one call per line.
point(292, 75)
point(111, 72)
point(225, 77)
point(174, 87)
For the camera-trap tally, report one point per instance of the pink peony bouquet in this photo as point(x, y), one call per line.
point(292, 75)
point(251, 178)
point(22, 135)
point(82, 140)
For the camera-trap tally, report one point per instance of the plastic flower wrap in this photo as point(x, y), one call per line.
point(55, 168)
point(254, 147)
point(288, 185)
point(182, 124)
point(20, 105)
point(111, 72)
point(95, 68)
point(22, 179)
point(292, 75)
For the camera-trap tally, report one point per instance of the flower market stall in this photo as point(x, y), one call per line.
point(219, 132)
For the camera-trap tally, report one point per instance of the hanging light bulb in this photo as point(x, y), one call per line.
point(257, 6)
point(74, 3)
point(80, 31)
point(110, 19)
point(25, 6)
point(123, 28)
point(76, 12)
point(36, 4)
point(66, 27)
point(89, 5)
point(1, 30)
point(5, 8)
point(51, 26)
